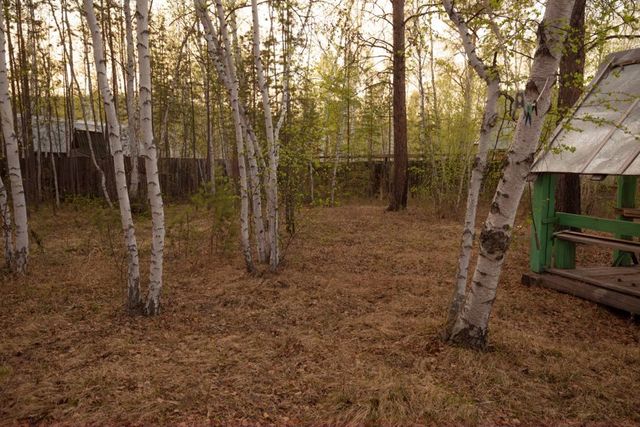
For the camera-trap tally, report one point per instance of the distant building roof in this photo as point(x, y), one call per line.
point(602, 135)
point(56, 130)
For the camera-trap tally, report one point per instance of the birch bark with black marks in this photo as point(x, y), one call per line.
point(272, 144)
point(74, 80)
point(154, 192)
point(133, 277)
point(492, 79)
point(252, 148)
point(21, 249)
point(219, 56)
point(130, 73)
point(471, 326)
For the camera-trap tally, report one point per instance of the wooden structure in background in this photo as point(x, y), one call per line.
point(601, 137)
point(77, 176)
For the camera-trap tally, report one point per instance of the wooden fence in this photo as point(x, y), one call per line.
point(181, 177)
point(77, 176)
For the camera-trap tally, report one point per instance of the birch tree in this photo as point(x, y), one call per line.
point(221, 62)
point(113, 126)
point(491, 77)
point(251, 146)
point(154, 192)
point(20, 253)
point(130, 71)
point(272, 143)
point(471, 326)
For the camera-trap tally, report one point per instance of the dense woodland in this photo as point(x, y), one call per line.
point(263, 114)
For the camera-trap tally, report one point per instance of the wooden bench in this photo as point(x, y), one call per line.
point(592, 239)
point(625, 249)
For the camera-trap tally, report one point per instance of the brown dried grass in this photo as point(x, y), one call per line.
point(347, 333)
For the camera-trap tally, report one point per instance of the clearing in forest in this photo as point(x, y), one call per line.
point(347, 332)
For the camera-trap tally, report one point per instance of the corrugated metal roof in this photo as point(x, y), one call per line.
point(602, 136)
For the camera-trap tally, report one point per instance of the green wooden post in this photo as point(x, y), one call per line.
point(625, 198)
point(565, 254)
point(543, 211)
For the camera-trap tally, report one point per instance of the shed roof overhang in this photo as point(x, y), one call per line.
point(602, 134)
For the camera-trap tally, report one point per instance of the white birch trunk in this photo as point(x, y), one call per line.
point(130, 96)
point(219, 57)
point(273, 150)
point(133, 286)
point(251, 147)
point(154, 192)
point(74, 79)
point(21, 250)
point(492, 79)
point(471, 326)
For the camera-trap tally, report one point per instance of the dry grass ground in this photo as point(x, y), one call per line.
point(347, 333)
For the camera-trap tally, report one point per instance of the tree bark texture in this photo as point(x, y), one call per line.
point(492, 79)
point(398, 196)
point(471, 326)
point(133, 285)
point(21, 249)
point(220, 59)
point(130, 71)
point(154, 192)
point(571, 85)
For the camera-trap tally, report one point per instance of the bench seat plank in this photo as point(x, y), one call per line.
point(610, 242)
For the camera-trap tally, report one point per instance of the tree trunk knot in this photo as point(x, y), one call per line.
point(494, 241)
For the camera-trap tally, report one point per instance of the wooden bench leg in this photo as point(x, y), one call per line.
point(625, 198)
point(565, 254)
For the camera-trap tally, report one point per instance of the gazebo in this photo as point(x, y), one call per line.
point(600, 138)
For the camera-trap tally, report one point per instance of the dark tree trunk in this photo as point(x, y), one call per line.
point(571, 84)
point(398, 196)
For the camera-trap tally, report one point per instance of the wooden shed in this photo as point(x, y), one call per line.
point(600, 138)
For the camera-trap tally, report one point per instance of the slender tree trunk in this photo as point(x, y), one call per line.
point(133, 287)
point(154, 192)
point(92, 153)
point(21, 250)
point(250, 143)
point(434, 90)
point(311, 183)
point(34, 107)
point(571, 84)
point(211, 169)
point(221, 60)
point(5, 216)
point(471, 326)
point(46, 60)
point(272, 143)
point(134, 151)
point(54, 172)
point(336, 159)
point(398, 196)
point(491, 77)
